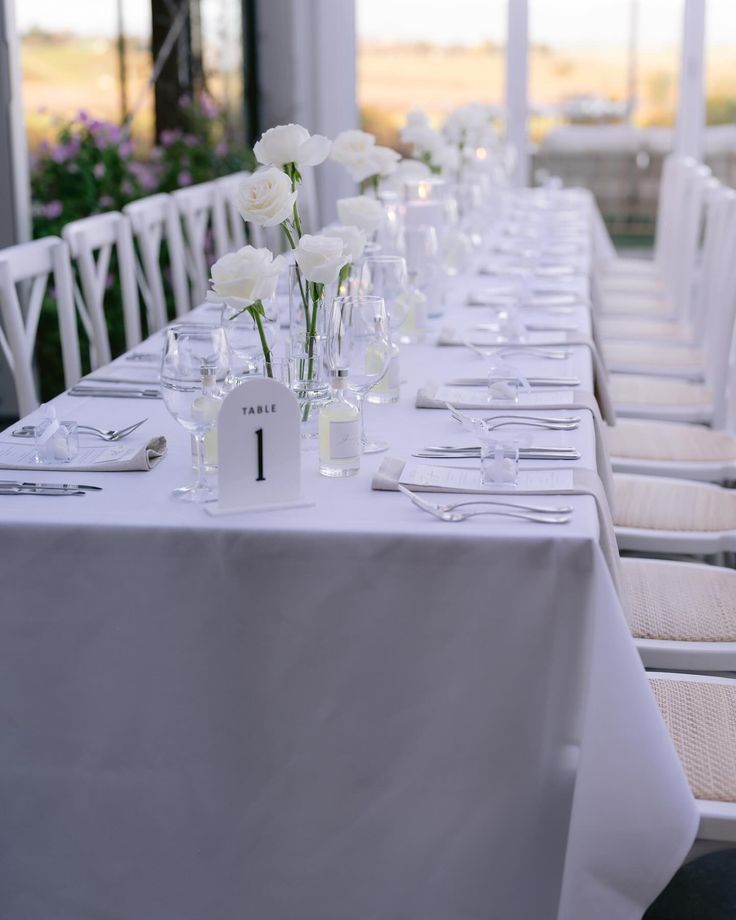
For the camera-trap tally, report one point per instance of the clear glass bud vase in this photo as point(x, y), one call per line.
point(307, 309)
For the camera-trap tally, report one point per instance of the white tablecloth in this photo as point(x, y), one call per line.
point(345, 712)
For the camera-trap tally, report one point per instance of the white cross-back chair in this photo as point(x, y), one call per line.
point(710, 316)
point(639, 396)
point(238, 232)
point(92, 241)
point(205, 234)
point(25, 271)
point(700, 714)
point(155, 222)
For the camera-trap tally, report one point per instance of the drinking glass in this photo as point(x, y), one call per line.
point(358, 341)
point(386, 276)
point(245, 346)
point(193, 368)
point(420, 247)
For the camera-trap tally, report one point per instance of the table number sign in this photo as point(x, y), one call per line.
point(259, 448)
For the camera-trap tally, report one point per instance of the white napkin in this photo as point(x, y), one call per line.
point(107, 458)
point(426, 399)
point(449, 337)
point(584, 482)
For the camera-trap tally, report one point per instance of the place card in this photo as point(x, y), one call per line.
point(478, 398)
point(451, 479)
point(259, 449)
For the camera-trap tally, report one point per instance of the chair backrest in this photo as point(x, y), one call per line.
point(92, 241)
point(155, 221)
point(308, 202)
point(238, 232)
point(205, 234)
point(24, 276)
point(718, 295)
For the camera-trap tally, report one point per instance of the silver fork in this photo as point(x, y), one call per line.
point(109, 434)
point(555, 423)
point(445, 512)
point(553, 354)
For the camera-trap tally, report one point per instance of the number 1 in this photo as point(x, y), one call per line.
point(259, 436)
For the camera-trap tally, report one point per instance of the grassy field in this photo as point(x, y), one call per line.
point(63, 75)
point(394, 78)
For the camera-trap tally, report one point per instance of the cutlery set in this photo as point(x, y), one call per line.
point(449, 514)
point(109, 434)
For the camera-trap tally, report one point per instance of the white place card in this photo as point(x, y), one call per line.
point(259, 449)
point(477, 397)
point(451, 479)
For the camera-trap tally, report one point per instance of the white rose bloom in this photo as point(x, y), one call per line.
point(351, 146)
point(291, 144)
point(353, 240)
point(417, 117)
point(365, 213)
point(447, 159)
point(387, 160)
point(266, 198)
point(406, 171)
point(241, 278)
point(425, 140)
point(320, 258)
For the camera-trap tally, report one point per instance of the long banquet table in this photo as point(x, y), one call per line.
point(350, 710)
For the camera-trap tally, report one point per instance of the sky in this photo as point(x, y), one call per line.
point(555, 22)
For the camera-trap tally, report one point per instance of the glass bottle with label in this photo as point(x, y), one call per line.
point(208, 406)
point(339, 430)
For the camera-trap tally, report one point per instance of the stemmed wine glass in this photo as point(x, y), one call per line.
point(358, 340)
point(193, 367)
point(386, 276)
point(244, 340)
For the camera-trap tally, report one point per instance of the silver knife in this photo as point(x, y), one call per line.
point(19, 490)
point(123, 392)
point(532, 381)
point(57, 486)
point(525, 453)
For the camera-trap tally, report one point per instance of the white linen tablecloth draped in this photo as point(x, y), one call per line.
point(345, 712)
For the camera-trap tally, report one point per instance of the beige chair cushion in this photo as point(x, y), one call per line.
point(635, 304)
point(701, 718)
point(634, 328)
point(680, 601)
point(650, 503)
point(667, 441)
point(624, 266)
point(660, 357)
point(640, 390)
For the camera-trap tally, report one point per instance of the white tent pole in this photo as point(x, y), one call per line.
point(691, 104)
point(516, 87)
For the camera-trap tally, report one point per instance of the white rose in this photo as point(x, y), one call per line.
point(351, 146)
point(406, 171)
point(320, 258)
point(447, 159)
point(425, 139)
point(241, 278)
point(353, 240)
point(266, 198)
point(291, 144)
point(365, 213)
point(387, 159)
point(417, 117)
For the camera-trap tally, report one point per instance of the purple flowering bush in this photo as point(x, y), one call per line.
point(93, 166)
point(89, 169)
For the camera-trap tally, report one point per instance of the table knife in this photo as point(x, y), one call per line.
point(58, 486)
point(532, 381)
point(122, 392)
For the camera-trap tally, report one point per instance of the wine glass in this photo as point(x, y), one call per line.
point(358, 341)
point(245, 346)
point(386, 276)
point(193, 367)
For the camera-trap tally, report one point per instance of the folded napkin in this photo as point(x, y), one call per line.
point(448, 337)
point(427, 399)
point(582, 482)
point(108, 458)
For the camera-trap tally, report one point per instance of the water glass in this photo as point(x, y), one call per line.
point(499, 462)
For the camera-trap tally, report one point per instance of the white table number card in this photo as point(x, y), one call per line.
point(259, 448)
